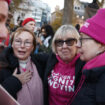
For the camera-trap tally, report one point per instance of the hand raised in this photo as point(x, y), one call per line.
point(23, 77)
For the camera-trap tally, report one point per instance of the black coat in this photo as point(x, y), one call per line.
point(92, 91)
point(11, 83)
point(50, 65)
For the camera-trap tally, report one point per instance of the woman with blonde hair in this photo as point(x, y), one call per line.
point(63, 68)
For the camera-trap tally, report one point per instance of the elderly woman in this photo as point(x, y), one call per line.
point(23, 77)
point(91, 90)
point(63, 67)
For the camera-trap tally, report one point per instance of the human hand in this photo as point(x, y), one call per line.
point(23, 77)
point(39, 40)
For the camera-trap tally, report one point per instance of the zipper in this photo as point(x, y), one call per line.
point(78, 88)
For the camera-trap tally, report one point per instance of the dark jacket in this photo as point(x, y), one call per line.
point(92, 91)
point(43, 48)
point(50, 65)
point(11, 83)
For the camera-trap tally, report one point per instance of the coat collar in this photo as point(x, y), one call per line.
point(95, 67)
point(11, 58)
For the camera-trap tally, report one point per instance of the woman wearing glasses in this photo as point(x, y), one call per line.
point(63, 67)
point(91, 89)
point(23, 77)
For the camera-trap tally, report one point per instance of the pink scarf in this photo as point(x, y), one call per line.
point(97, 61)
point(31, 92)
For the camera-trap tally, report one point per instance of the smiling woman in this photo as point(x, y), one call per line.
point(22, 78)
point(64, 67)
point(23, 46)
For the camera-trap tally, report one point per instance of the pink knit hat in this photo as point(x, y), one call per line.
point(95, 26)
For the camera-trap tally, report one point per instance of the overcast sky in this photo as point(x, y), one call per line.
point(86, 1)
point(53, 3)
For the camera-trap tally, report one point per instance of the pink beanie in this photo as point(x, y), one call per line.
point(27, 20)
point(95, 26)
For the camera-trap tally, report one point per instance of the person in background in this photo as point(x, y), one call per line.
point(23, 76)
point(19, 24)
point(91, 89)
point(4, 34)
point(63, 69)
point(45, 38)
point(29, 23)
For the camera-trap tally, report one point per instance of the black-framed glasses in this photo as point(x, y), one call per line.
point(19, 43)
point(69, 42)
point(82, 39)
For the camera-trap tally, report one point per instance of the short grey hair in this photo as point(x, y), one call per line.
point(62, 31)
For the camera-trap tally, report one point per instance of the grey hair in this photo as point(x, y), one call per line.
point(63, 31)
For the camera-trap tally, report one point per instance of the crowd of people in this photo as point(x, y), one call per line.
point(46, 68)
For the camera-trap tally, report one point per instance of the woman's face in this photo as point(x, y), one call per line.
point(66, 50)
point(23, 45)
point(3, 18)
point(89, 48)
point(30, 26)
point(43, 31)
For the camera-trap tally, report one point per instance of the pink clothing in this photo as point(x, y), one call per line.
point(31, 92)
point(98, 61)
point(61, 82)
point(95, 26)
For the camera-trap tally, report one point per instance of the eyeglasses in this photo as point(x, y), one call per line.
point(81, 40)
point(69, 42)
point(19, 43)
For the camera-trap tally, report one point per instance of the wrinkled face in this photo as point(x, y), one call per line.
point(66, 47)
point(30, 26)
point(88, 47)
point(23, 45)
point(3, 18)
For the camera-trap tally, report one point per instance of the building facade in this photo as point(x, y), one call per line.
point(36, 9)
